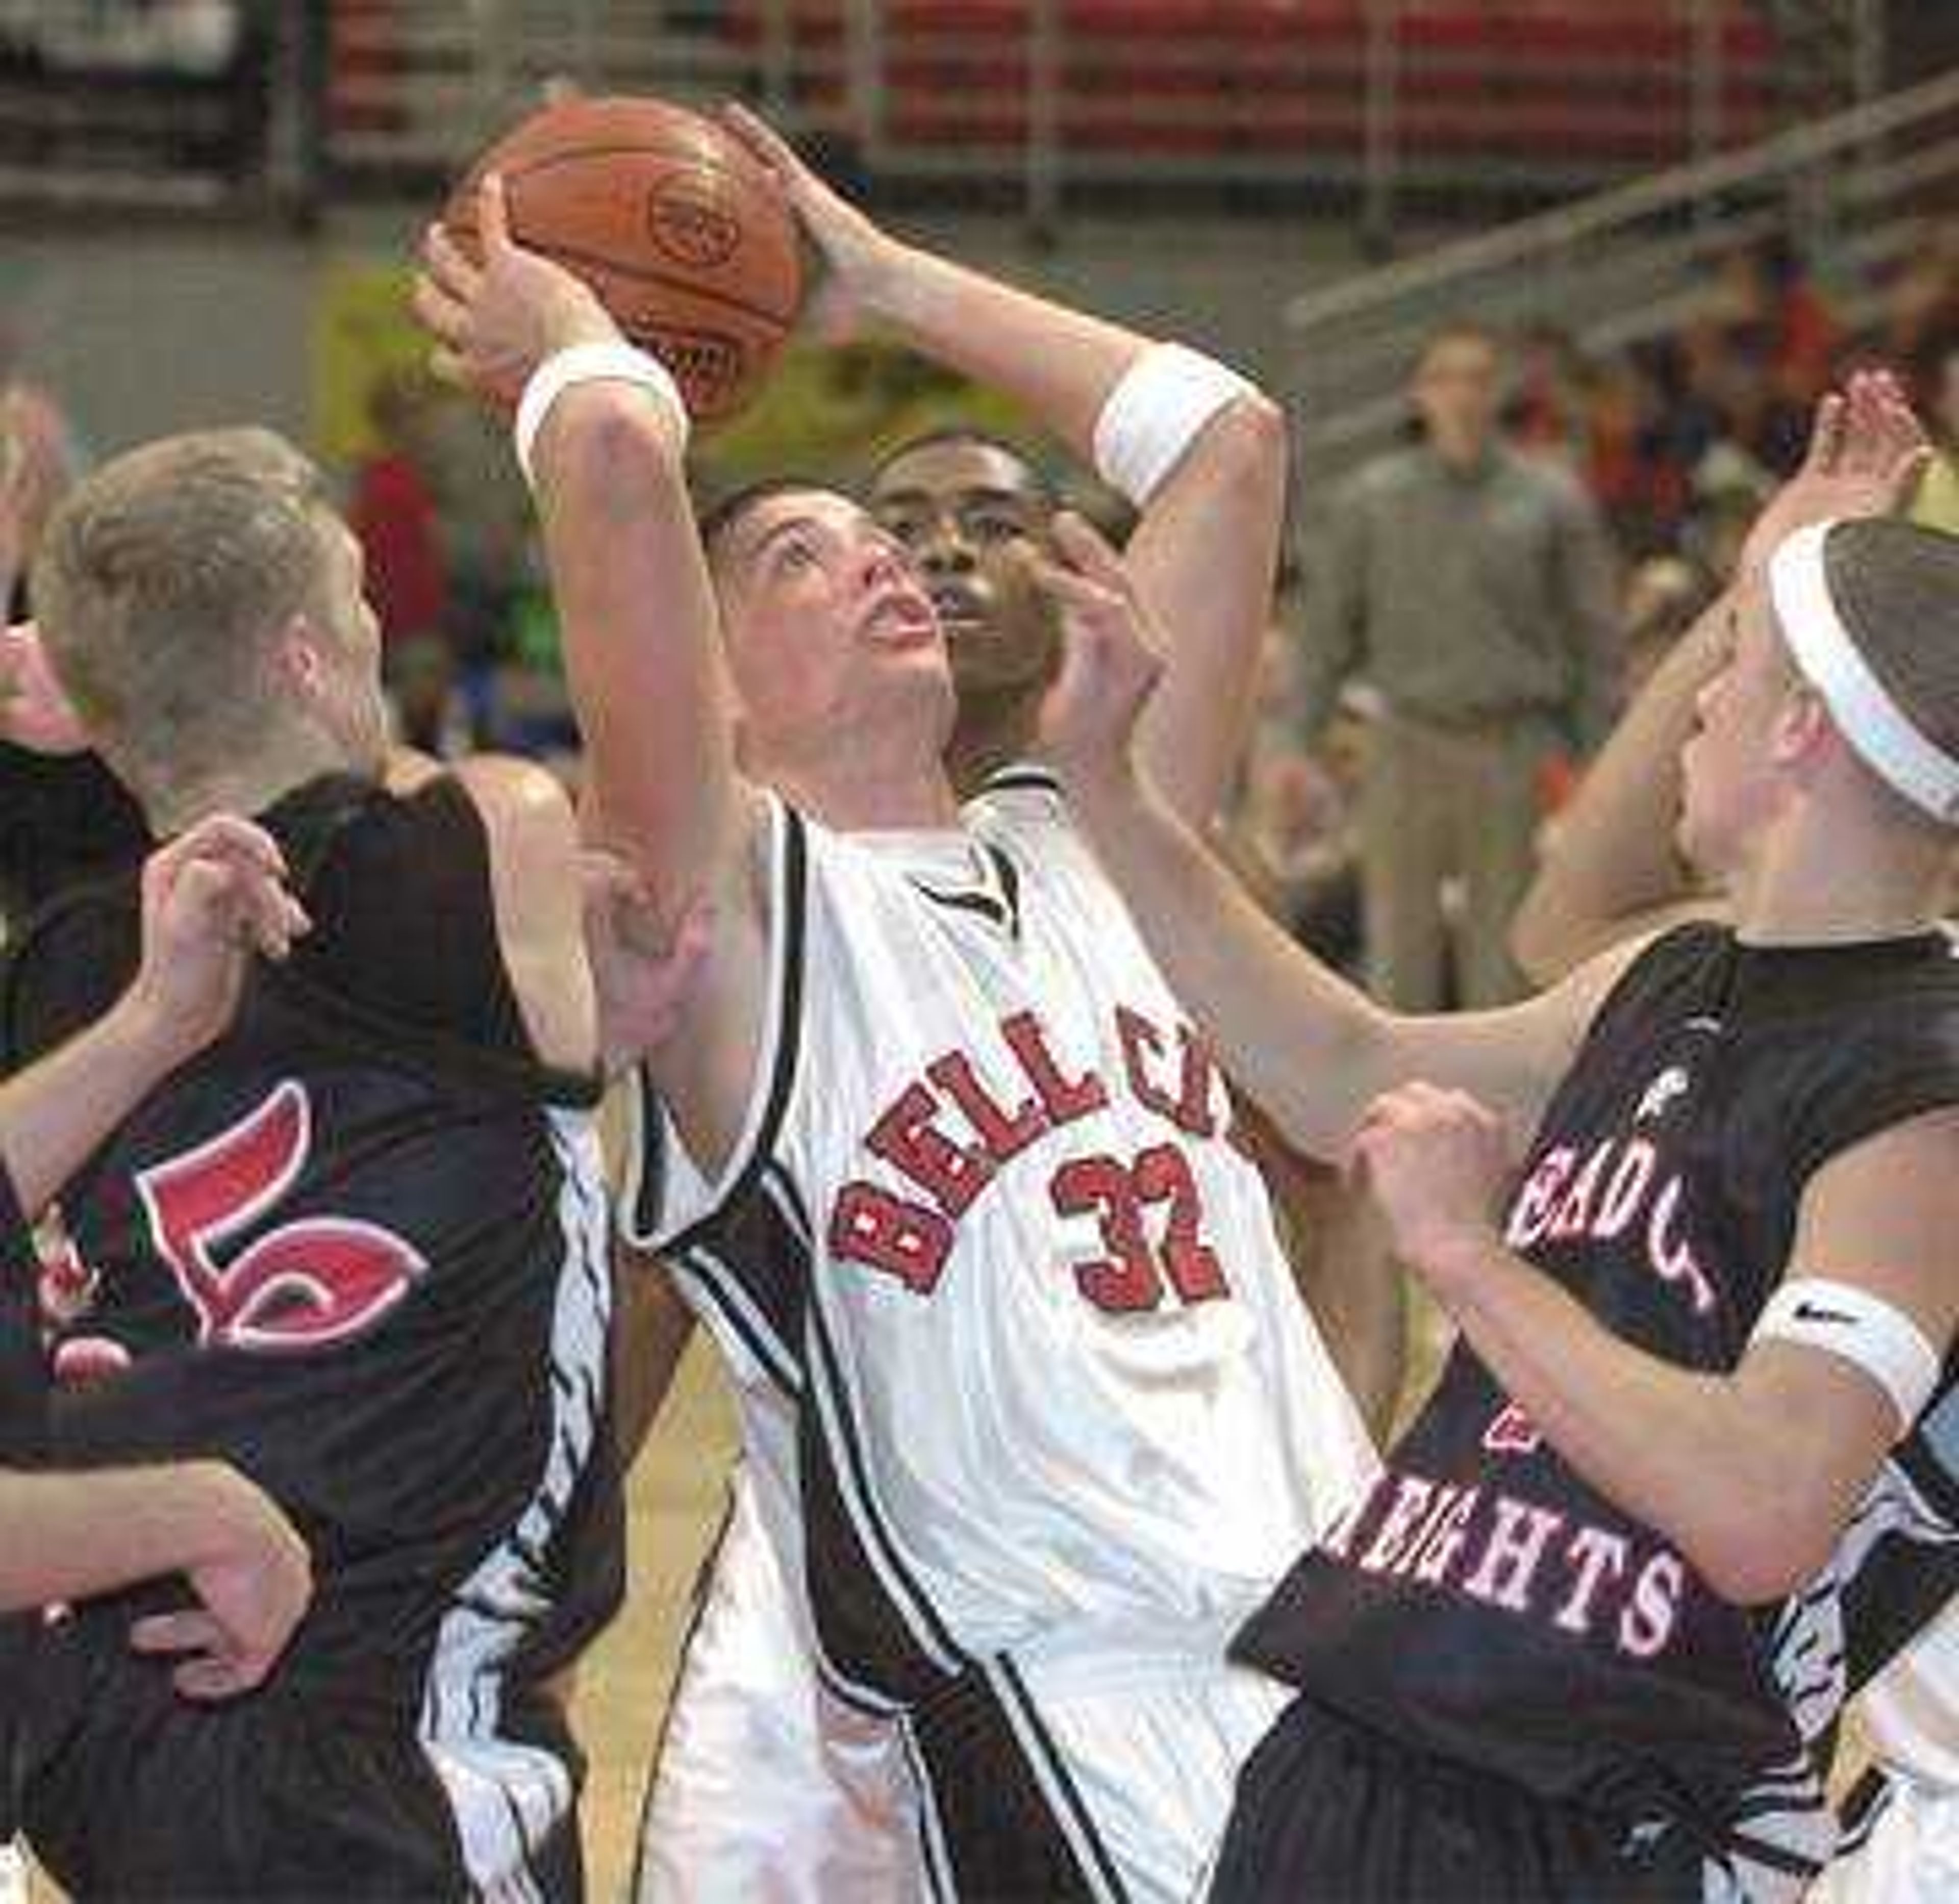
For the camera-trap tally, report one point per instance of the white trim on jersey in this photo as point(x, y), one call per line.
point(932, 1829)
point(719, 1289)
point(507, 1797)
point(835, 1409)
point(767, 1089)
point(1044, 1763)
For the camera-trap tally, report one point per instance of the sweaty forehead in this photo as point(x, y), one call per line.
point(945, 471)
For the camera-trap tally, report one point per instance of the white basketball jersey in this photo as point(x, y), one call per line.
point(987, 1236)
point(1911, 1710)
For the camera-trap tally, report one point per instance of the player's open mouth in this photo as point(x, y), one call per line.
point(901, 620)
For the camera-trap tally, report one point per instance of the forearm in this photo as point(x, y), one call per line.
point(1203, 559)
point(1346, 1274)
point(1295, 1036)
point(55, 1114)
point(1682, 1451)
point(639, 617)
point(70, 1537)
point(1613, 858)
point(1058, 364)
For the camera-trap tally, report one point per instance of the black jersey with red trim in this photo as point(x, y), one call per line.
point(356, 1249)
point(1486, 1604)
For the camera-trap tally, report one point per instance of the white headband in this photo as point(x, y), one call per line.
point(1876, 727)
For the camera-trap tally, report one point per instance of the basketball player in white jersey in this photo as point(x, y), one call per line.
point(1609, 876)
point(1032, 1408)
point(758, 1778)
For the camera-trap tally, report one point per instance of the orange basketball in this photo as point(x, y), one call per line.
point(684, 237)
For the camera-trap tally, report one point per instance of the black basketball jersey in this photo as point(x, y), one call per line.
point(356, 1249)
point(64, 818)
point(23, 1377)
point(1483, 1602)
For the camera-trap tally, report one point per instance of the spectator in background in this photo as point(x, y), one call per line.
point(1637, 475)
point(395, 515)
point(1771, 314)
point(1548, 413)
point(1918, 314)
point(1473, 588)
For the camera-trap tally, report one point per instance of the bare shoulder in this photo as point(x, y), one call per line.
point(508, 787)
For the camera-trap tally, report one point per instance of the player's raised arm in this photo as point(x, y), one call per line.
point(1312, 1049)
point(603, 433)
point(1200, 452)
point(1613, 869)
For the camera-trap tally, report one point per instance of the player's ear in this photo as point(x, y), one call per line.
point(298, 656)
point(1803, 729)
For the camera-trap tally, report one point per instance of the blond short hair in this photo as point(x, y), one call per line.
point(164, 581)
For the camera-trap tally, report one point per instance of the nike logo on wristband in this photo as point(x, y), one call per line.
point(1809, 1312)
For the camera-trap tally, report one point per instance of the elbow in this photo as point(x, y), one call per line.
point(1540, 940)
point(1757, 1560)
point(1252, 439)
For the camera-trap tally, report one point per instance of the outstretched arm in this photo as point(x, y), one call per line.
point(1611, 870)
point(1205, 550)
point(1309, 1047)
point(70, 1537)
point(1752, 1474)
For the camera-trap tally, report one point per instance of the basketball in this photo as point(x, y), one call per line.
point(679, 231)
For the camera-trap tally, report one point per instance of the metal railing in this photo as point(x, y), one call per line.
point(1380, 97)
point(1479, 103)
point(1856, 191)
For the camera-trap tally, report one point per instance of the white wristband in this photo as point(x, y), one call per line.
point(588, 363)
point(1154, 412)
point(1842, 1320)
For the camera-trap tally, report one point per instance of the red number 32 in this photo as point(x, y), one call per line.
point(301, 1286)
point(1132, 1275)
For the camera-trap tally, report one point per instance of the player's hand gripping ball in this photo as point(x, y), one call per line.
point(678, 228)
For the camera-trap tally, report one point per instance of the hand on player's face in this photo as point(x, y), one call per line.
point(1436, 1162)
point(252, 1589)
point(1866, 452)
point(858, 259)
point(212, 899)
point(494, 322)
point(1111, 656)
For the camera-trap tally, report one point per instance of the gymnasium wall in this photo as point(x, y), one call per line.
point(144, 331)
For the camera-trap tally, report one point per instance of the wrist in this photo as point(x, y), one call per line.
point(147, 1036)
point(889, 285)
point(1460, 1263)
point(608, 360)
point(222, 1506)
point(1103, 792)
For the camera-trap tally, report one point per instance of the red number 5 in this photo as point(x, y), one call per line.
point(1132, 1277)
point(304, 1284)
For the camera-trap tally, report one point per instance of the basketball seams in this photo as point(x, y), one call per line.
point(674, 226)
point(755, 210)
